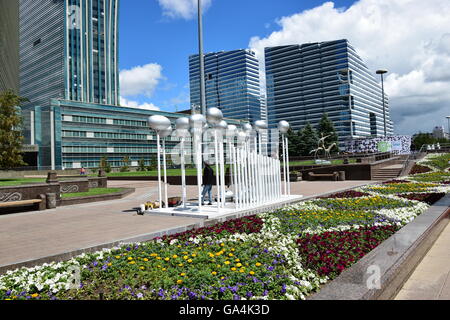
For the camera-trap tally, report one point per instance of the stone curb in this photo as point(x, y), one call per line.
point(394, 260)
point(96, 198)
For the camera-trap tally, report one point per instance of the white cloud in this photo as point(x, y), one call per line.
point(133, 104)
point(410, 38)
point(186, 9)
point(140, 80)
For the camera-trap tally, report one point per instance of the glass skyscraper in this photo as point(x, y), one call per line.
point(305, 81)
point(68, 51)
point(9, 45)
point(232, 84)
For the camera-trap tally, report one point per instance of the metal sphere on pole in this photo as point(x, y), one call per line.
point(164, 134)
point(201, 59)
point(283, 127)
point(381, 73)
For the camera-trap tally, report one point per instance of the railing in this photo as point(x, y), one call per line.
point(376, 156)
point(426, 148)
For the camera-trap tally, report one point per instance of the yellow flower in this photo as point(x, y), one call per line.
point(166, 259)
point(164, 269)
point(233, 269)
point(237, 260)
point(117, 257)
point(190, 260)
point(179, 281)
point(182, 274)
point(222, 245)
point(109, 264)
point(174, 256)
point(227, 262)
point(258, 264)
point(180, 265)
point(251, 273)
point(185, 257)
point(214, 273)
point(153, 255)
point(233, 249)
point(142, 268)
point(211, 255)
point(158, 258)
point(242, 270)
point(239, 265)
point(194, 255)
point(132, 262)
point(34, 295)
point(218, 266)
point(230, 254)
point(145, 259)
point(130, 258)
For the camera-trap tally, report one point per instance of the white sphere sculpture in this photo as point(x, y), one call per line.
point(260, 125)
point(222, 125)
point(166, 132)
point(247, 127)
point(182, 123)
point(158, 123)
point(197, 121)
point(283, 127)
point(214, 116)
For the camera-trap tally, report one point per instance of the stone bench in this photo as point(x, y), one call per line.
point(334, 176)
point(40, 203)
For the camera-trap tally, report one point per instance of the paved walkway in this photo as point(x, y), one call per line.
point(431, 279)
point(35, 235)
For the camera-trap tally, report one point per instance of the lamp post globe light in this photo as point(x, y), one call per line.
point(381, 72)
point(197, 122)
point(283, 127)
point(214, 116)
point(164, 134)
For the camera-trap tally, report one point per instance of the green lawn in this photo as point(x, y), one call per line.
point(92, 192)
point(16, 182)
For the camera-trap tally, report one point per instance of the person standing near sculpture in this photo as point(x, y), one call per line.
point(208, 180)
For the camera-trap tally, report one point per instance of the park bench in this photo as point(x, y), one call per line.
point(38, 203)
point(313, 176)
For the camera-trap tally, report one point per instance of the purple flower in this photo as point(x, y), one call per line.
point(104, 267)
point(270, 268)
point(140, 295)
point(95, 263)
point(236, 297)
point(234, 289)
point(223, 289)
point(249, 294)
point(265, 293)
point(161, 293)
point(8, 293)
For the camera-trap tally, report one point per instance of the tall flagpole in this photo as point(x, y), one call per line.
point(201, 59)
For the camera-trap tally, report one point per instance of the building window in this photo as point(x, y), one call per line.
point(38, 41)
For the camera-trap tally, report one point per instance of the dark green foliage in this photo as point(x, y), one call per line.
point(326, 128)
point(126, 164)
point(308, 140)
point(11, 139)
point(104, 164)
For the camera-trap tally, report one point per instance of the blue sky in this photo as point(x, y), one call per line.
point(147, 35)
point(410, 38)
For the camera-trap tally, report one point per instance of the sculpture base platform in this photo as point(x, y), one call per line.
point(212, 212)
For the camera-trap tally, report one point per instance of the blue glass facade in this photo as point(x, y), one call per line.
point(68, 50)
point(305, 81)
point(231, 81)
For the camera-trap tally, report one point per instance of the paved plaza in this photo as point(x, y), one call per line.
point(34, 235)
point(431, 279)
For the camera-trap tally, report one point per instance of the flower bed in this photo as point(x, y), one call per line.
point(285, 254)
point(417, 168)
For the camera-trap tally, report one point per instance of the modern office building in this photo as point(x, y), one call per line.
point(69, 51)
point(9, 45)
point(305, 81)
point(232, 83)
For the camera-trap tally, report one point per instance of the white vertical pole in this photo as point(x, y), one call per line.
point(284, 164)
point(239, 177)
point(255, 168)
point(159, 169)
point(287, 167)
point(233, 161)
point(222, 169)
point(165, 174)
point(198, 155)
point(216, 156)
point(183, 173)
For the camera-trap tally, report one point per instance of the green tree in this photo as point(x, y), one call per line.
point(104, 164)
point(153, 163)
point(326, 128)
point(293, 143)
point(126, 164)
point(141, 165)
point(426, 138)
point(11, 138)
point(308, 140)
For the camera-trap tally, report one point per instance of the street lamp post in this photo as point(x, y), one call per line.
point(201, 60)
point(381, 73)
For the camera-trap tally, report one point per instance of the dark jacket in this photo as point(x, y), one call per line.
point(208, 176)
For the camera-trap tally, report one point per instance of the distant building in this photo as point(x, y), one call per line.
point(9, 45)
point(305, 81)
point(232, 84)
point(439, 133)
